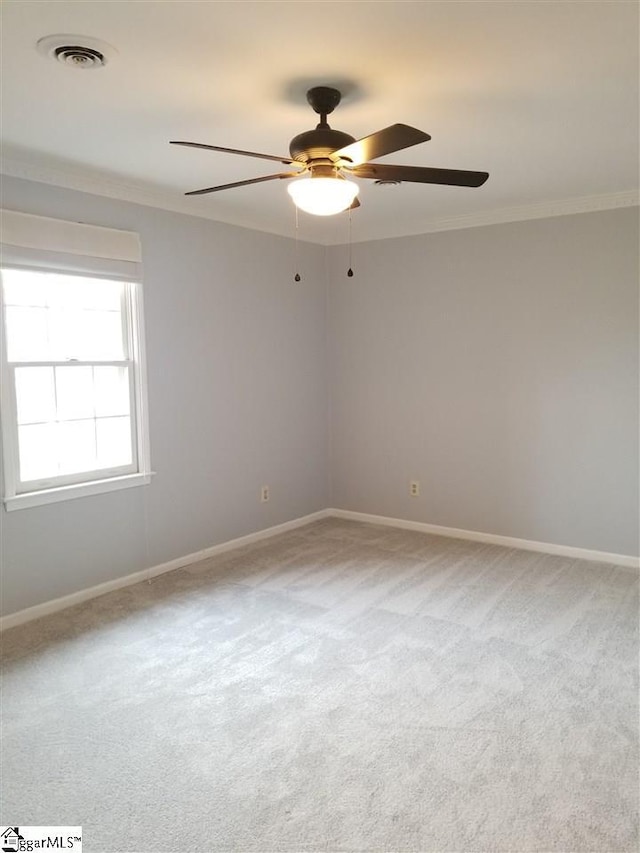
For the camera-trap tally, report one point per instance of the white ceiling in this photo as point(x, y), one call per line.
point(543, 95)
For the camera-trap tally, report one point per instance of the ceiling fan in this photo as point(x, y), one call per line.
point(328, 158)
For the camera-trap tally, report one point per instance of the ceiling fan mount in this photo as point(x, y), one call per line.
point(314, 147)
point(332, 154)
point(323, 99)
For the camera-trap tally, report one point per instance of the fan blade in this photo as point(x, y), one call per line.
point(393, 138)
point(244, 183)
point(287, 160)
point(419, 174)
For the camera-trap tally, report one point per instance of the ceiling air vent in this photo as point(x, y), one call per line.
point(77, 51)
point(83, 57)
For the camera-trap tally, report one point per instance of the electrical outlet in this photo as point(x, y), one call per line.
point(414, 488)
point(264, 494)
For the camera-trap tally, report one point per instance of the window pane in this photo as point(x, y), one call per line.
point(111, 390)
point(102, 295)
point(74, 291)
point(86, 335)
point(74, 391)
point(24, 288)
point(114, 442)
point(51, 316)
point(77, 446)
point(35, 395)
point(37, 446)
point(102, 335)
point(66, 333)
point(64, 291)
point(26, 334)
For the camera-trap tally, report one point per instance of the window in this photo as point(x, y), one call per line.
point(73, 395)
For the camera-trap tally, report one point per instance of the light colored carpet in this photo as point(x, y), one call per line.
point(343, 687)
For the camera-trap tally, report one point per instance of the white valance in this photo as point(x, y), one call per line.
point(43, 243)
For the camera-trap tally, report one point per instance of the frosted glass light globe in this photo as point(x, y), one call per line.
point(322, 196)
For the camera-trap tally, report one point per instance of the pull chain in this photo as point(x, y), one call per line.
point(297, 275)
point(350, 270)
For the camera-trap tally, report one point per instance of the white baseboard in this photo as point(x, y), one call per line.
point(491, 538)
point(47, 607)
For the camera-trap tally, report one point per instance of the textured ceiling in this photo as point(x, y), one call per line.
point(543, 95)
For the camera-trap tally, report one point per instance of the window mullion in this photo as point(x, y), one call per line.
point(72, 363)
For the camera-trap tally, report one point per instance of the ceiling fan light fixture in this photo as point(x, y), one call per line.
point(323, 196)
point(327, 155)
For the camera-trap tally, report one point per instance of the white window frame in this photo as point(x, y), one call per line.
point(22, 495)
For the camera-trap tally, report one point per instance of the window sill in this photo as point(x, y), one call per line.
point(78, 490)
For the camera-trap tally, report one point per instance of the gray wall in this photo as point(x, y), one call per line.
point(237, 397)
point(498, 366)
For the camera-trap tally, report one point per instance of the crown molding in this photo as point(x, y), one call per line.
point(541, 210)
point(98, 184)
point(95, 183)
point(92, 182)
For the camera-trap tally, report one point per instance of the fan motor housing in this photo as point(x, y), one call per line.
point(318, 143)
